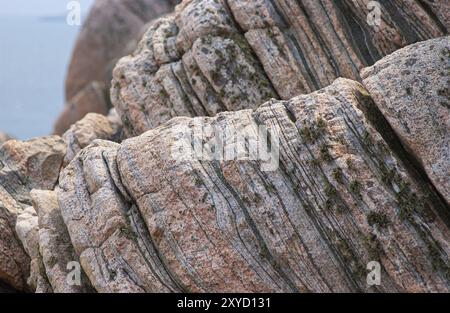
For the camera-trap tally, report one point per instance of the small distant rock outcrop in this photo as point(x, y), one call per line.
point(110, 32)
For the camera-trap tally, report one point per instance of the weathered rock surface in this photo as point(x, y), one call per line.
point(23, 166)
point(143, 221)
point(54, 244)
point(92, 126)
point(111, 31)
point(27, 229)
point(14, 262)
point(36, 164)
point(358, 176)
point(414, 96)
point(225, 55)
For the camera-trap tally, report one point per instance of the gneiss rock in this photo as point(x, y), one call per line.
point(23, 166)
point(30, 164)
point(110, 32)
point(215, 55)
point(143, 221)
point(411, 88)
point(105, 227)
point(56, 251)
point(36, 164)
point(92, 126)
point(14, 262)
point(27, 229)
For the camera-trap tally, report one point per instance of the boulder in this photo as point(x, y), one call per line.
point(92, 126)
point(36, 164)
point(411, 89)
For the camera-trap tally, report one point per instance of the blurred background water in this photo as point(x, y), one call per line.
point(35, 48)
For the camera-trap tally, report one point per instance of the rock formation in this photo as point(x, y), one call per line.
point(346, 192)
point(355, 171)
point(141, 221)
point(110, 32)
point(36, 164)
point(211, 56)
point(414, 96)
point(23, 166)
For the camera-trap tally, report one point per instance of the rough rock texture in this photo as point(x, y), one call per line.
point(27, 229)
point(359, 176)
point(414, 96)
point(14, 262)
point(225, 55)
point(54, 244)
point(92, 98)
point(36, 164)
point(110, 32)
point(142, 221)
point(23, 166)
point(346, 192)
point(92, 126)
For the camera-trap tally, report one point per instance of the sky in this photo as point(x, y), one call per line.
point(39, 7)
point(34, 55)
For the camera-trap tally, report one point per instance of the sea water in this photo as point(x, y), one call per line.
point(34, 55)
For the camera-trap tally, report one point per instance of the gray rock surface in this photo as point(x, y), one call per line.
point(23, 166)
point(360, 171)
point(414, 96)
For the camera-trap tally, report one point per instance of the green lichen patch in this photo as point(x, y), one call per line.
point(378, 219)
point(325, 153)
point(338, 175)
point(374, 247)
point(312, 133)
point(355, 188)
